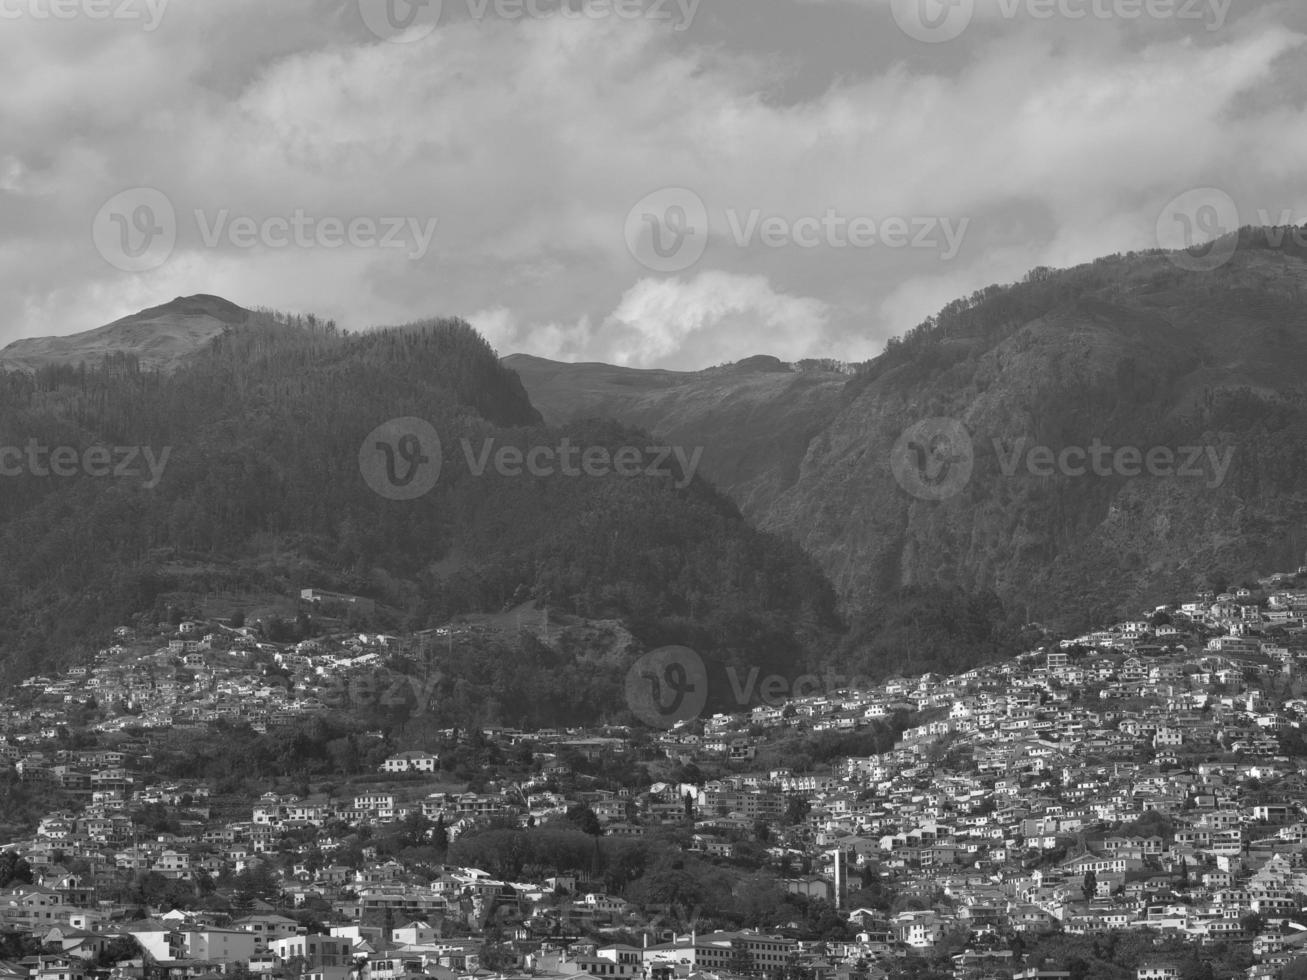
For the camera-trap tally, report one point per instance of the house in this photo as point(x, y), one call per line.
point(322, 596)
point(167, 941)
point(319, 951)
point(266, 928)
point(59, 967)
point(411, 762)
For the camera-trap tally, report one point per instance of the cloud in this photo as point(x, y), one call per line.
point(675, 323)
point(529, 141)
point(711, 318)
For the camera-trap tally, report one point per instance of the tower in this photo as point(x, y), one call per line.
point(838, 858)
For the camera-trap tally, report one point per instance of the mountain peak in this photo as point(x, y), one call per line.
point(160, 337)
point(201, 304)
point(761, 363)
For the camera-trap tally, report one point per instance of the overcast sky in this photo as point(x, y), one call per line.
point(661, 184)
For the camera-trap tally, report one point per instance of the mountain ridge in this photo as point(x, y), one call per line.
point(1137, 350)
point(275, 437)
point(160, 338)
point(1140, 350)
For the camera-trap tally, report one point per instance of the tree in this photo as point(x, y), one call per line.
point(741, 962)
point(120, 948)
point(688, 773)
point(14, 869)
point(439, 835)
point(416, 826)
point(1090, 887)
point(797, 809)
point(585, 818)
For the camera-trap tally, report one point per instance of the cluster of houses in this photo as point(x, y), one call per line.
point(1148, 776)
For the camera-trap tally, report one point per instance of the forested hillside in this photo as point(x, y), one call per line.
point(1135, 352)
point(262, 492)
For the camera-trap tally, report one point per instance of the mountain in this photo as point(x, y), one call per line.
point(921, 490)
point(271, 460)
point(1139, 352)
point(1133, 352)
point(161, 337)
point(754, 419)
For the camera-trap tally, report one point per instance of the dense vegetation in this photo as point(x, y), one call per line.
point(922, 628)
point(262, 492)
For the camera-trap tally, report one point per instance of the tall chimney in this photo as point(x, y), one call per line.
point(839, 878)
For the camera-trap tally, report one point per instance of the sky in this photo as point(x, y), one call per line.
point(653, 183)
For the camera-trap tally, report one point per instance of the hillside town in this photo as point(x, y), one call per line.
point(1127, 802)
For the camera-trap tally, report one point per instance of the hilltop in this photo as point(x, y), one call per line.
point(162, 337)
point(1131, 350)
